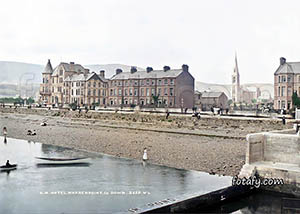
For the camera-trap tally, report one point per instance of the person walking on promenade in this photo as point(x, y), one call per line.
point(167, 114)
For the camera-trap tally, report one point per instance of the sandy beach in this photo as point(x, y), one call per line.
point(212, 144)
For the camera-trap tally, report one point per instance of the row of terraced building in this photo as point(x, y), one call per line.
point(70, 83)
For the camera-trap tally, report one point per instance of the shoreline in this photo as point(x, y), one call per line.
point(121, 135)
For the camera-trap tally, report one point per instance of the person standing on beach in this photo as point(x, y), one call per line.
point(5, 134)
point(145, 156)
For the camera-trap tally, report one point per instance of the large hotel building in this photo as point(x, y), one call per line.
point(72, 83)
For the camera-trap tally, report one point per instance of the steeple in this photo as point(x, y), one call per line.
point(48, 68)
point(235, 87)
point(236, 68)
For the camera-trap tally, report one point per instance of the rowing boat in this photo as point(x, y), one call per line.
point(61, 160)
point(8, 168)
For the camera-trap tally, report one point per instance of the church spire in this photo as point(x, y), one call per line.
point(236, 68)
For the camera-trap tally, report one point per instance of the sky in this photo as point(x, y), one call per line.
point(203, 34)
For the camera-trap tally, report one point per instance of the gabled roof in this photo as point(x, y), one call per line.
point(151, 75)
point(82, 77)
point(68, 67)
point(48, 69)
point(289, 67)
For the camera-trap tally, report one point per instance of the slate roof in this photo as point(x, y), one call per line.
point(48, 69)
point(211, 94)
point(68, 67)
point(151, 75)
point(289, 67)
point(82, 77)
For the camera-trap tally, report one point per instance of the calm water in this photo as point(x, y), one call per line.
point(23, 190)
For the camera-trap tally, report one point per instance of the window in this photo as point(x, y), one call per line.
point(61, 80)
point(120, 92)
point(89, 92)
point(142, 92)
point(283, 78)
point(278, 79)
point(94, 92)
point(89, 84)
point(147, 92)
point(153, 82)
point(166, 81)
point(172, 81)
point(115, 92)
point(94, 84)
point(135, 83)
point(289, 91)
point(278, 91)
point(135, 92)
point(99, 84)
point(289, 79)
point(99, 93)
point(159, 82)
point(152, 91)
point(166, 92)
point(125, 92)
point(171, 91)
point(282, 91)
point(60, 72)
point(148, 81)
point(159, 91)
point(130, 91)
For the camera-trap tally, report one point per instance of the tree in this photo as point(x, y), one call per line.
point(155, 100)
point(296, 100)
point(30, 100)
point(254, 101)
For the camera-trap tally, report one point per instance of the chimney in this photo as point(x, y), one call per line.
point(166, 68)
point(133, 69)
point(72, 63)
point(282, 60)
point(185, 67)
point(86, 71)
point(149, 69)
point(102, 73)
point(118, 71)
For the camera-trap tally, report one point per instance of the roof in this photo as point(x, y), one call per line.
point(151, 75)
point(289, 67)
point(68, 67)
point(84, 77)
point(48, 69)
point(211, 94)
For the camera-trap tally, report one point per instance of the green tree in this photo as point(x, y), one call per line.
point(155, 100)
point(296, 100)
point(254, 101)
point(30, 100)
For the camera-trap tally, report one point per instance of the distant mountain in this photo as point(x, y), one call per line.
point(110, 69)
point(16, 72)
point(18, 78)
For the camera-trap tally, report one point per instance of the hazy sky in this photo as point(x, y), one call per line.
point(203, 34)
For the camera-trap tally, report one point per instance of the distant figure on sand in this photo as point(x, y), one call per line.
point(4, 133)
point(145, 157)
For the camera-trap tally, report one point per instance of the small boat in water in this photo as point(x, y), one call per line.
point(8, 168)
point(61, 160)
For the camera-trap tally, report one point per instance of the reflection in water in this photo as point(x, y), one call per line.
point(82, 164)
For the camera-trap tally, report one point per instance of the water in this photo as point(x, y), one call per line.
point(116, 184)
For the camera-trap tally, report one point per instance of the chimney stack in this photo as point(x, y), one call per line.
point(149, 69)
point(166, 68)
point(185, 67)
point(282, 60)
point(133, 69)
point(72, 63)
point(102, 73)
point(118, 71)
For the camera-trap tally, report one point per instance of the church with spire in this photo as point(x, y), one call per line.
point(236, 88)
point(239, 93)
